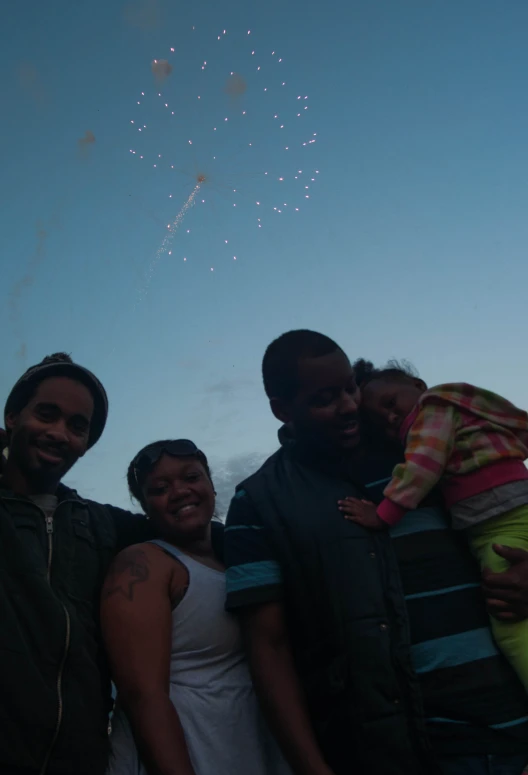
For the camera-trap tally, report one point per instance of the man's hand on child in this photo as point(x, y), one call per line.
point(362, 512)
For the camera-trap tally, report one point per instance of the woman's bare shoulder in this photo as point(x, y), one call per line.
point(145, 565)
point(140, 564)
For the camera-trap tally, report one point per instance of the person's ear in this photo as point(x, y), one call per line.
point(420, 384)
point(11, 421)
point(281, 410)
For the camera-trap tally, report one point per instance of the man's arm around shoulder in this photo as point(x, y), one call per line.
point(130, 528)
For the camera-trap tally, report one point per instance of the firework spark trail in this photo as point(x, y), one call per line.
point(172, 228)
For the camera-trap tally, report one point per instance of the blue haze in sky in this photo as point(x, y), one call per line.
point(412, 243)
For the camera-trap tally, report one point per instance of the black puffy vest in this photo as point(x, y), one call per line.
point(348, 622)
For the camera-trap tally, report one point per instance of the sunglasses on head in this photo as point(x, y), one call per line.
point(181, 448)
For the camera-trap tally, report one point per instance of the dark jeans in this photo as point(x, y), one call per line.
point(483, 765)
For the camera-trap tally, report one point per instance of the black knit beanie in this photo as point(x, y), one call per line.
point(60, 365)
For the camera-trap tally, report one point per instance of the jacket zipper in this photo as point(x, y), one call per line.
point(49, 533)
point(59, 694)
point(60, 712)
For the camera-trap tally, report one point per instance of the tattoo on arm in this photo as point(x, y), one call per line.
point(131, 567)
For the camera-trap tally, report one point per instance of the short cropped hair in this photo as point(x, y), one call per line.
point(281, 360)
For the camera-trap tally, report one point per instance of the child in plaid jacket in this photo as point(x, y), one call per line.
point(473, 444)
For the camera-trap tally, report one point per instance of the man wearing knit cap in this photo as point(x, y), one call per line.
point(54, 551)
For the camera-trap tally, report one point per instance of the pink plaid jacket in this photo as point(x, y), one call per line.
point(454, 431)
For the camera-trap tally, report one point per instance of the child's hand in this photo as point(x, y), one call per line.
point(362, 512)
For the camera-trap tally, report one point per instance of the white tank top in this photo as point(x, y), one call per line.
point(210, 687)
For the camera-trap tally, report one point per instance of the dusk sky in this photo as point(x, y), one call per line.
point(382, 144)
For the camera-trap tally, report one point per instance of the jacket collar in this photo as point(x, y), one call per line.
point(286, 434)
point(63, 494)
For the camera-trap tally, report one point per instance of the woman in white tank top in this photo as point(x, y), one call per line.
point(186, 704)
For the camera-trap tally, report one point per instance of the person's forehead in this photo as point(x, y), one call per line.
point(326, 371)
point(66, 393)
point(379, 388)
point(375, 387)
point(168, 465)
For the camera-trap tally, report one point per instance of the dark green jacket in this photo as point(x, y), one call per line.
point(54, 682)
point(347, 619)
